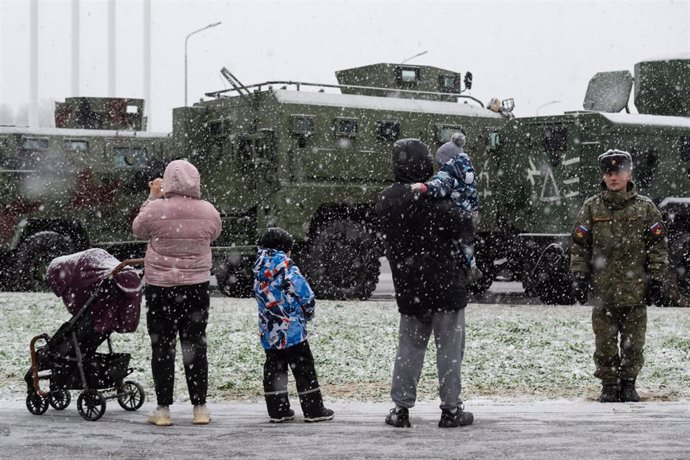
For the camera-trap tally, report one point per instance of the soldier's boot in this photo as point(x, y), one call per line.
point(610, 393)
point(628, 392)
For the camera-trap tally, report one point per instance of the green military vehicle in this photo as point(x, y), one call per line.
point(312, 159)
point(549, 167)
point(68, 188)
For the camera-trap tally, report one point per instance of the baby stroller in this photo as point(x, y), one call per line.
point(104, 296)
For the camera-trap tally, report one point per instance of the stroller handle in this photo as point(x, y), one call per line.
point(125, 263)
point(34, 363)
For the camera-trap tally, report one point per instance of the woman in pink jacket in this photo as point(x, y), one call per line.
point(179, 227)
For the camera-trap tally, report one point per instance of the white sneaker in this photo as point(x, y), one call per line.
point(201, 415)
point(161, 416)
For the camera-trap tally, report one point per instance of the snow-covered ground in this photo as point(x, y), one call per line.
point(514, 352)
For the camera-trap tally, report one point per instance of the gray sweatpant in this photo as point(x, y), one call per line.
point(449, 336)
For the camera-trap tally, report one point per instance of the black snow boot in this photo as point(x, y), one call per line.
point(313, 409)
point(628, 392)
point(454, 419)
point(610, 393)
point(279, 408)
point(399, 417)
point(321, 416)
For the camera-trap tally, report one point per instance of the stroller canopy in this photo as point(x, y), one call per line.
point(75, 277)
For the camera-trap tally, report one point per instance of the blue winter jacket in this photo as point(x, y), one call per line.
point(456, 179)
point(284, 298)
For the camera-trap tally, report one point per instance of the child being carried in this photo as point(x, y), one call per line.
point(456, 178)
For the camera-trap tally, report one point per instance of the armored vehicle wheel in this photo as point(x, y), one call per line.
point(33, 256)
point(342, 261)
point(36, 403)
point(679, 253)
point(130, 396)
point(236, 284)
point(552, 281)
point(479, 287)
point(91, 405)
point(59, 399)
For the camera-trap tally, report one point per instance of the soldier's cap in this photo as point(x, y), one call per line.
point(276, 238)
point(614, 160)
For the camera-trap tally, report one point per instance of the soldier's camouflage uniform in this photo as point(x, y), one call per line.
point(619, 242)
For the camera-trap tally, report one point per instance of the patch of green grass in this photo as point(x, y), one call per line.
point(529, 351)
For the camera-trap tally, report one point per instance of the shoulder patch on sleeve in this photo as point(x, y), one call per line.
point(581, 235)
point(656, 232)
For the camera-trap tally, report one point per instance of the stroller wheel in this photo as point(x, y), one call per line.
point(36, 403)
point(130, 396)
point(91, 405)
point(59, 399)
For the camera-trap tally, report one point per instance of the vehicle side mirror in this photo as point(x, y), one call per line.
point(468, 80)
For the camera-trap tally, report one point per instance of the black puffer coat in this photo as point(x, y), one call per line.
point(420, 236)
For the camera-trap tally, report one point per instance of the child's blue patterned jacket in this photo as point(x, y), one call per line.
point(284, 298)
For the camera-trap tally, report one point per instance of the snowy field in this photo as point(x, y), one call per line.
point(516, 352)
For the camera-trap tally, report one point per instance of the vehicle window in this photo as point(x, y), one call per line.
point(408, 76)
point(346, 127)
point(302, 124)
point(388, 130)
point(129, 157)
point(444, 132)
point(35, 143)
point(76, 146)
point(449, 83)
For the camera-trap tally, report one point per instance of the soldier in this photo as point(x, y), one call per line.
point(619, 250)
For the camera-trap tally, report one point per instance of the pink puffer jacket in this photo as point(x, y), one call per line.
point(179, 229)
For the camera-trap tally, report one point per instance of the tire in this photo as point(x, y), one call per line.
point(236, 282)
point(679, 255)
point(91, 405)
point(59, 399)
point(342, 261)
point(36, 403)
point(551, 277)
point(130, 396)
point(33, 257)
point(486, 264)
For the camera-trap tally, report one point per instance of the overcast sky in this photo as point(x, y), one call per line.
point(535, 52)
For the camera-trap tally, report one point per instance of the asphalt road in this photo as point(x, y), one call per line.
point(538, 430)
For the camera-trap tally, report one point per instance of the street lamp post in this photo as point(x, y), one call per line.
point(185, 55)
point(545, 104)
point(415, 56)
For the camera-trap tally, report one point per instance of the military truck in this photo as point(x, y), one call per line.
point(549, 167)
point(76, 186)
point(312, 159)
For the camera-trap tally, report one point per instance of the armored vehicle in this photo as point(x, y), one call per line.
point(549, 167)
point(69, 188)
point(312, 158)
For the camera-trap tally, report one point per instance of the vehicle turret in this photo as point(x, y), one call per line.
point(404, 81)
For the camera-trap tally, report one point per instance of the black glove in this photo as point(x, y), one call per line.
point(581, 288)
point(656, 294)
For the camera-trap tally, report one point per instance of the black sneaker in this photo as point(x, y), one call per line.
point(399, 418)
point(455, 419)
point(322, 416)
point(610, 393)
point(628, 392)
point(286, 417)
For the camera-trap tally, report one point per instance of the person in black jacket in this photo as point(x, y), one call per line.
point(420, 238)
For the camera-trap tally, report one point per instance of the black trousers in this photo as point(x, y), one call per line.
point(179, 310)
point(301, 362)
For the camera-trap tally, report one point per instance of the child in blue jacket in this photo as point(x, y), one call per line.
point(286, 304)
